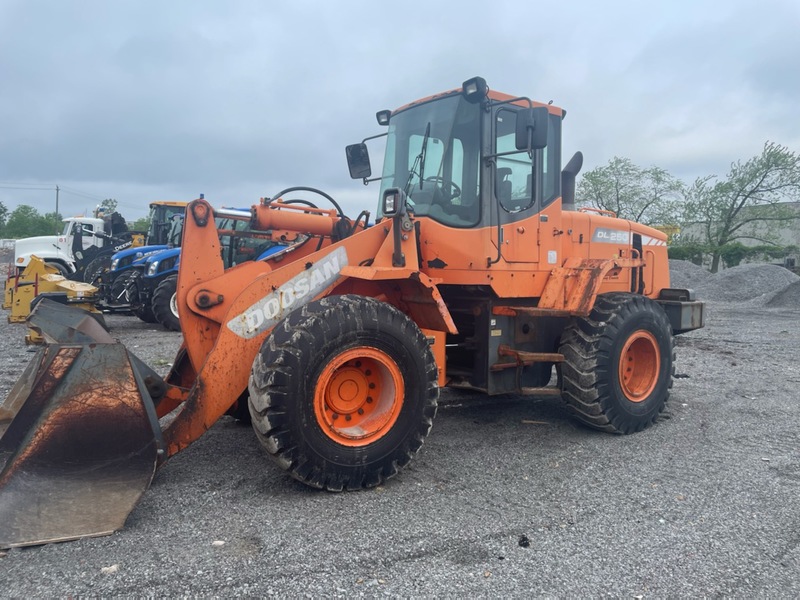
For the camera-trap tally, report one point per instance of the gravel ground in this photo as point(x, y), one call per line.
point(508, 497)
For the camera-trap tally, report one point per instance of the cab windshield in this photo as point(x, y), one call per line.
point(433, 154)
point(160, 218)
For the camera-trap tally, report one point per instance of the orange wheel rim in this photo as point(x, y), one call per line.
point(639, 366)
point(358, 396)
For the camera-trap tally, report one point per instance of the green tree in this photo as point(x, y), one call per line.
point(751, 203)
point(141, 224)
point(25, 221)
point(108, 206)
point(3, 217)
point(53, 222)
point(651, 196)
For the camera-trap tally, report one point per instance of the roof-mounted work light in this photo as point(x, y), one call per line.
point(475, 89)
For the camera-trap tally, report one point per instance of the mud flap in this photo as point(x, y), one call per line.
point(79, 440)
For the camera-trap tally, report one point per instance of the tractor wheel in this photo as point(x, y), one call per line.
point(344, 392)
point(165, 303)
point(141, 307)
point(119, 291)
point(96, 269)
point(618, 363)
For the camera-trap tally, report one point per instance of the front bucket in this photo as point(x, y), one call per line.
point(79, 443)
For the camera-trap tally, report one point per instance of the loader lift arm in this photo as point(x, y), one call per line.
point(231, 313)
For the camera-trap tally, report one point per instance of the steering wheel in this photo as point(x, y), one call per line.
point(448, 188)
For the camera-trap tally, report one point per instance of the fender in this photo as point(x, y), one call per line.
point(412, 291)
point(573, 288)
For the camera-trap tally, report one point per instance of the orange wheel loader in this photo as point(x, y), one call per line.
point(477, 273)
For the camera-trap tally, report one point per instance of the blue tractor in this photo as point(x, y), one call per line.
point(112, 278)
point(151, 288)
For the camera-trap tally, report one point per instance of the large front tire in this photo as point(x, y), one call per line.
point(618, 363)
point(344, 392)
point(165, 303)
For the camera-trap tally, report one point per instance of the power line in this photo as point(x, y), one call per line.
point(52, 185)
point(75, 192)
point(18, 185)
point(11, 187)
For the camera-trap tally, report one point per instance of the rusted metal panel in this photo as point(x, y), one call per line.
point(79, 439)
point(574, 287)
point(59, 323)
point(81, 449)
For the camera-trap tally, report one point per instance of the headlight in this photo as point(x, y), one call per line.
point(114, 264)
point(152, 269)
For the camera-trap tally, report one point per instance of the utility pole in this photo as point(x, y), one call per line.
point(57, 205)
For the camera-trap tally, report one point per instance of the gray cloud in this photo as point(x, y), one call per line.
point(146, 100)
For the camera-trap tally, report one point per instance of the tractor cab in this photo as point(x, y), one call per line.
point(161, 218)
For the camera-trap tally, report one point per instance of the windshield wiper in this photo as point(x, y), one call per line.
point(419, 161)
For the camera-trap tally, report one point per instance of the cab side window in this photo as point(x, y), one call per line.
point(514, 181)
point(551, 162)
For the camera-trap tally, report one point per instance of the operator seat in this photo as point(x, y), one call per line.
point(504, 187)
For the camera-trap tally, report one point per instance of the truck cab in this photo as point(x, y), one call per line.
point(56, 250)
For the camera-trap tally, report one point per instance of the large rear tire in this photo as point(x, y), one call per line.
point(618, 363)
point(344, 392)
point(165, 303)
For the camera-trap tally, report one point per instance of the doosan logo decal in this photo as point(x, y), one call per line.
point(299, 290)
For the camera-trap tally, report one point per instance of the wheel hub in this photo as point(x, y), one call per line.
point(173, 304)
point(358, 396)
point(347, 390)
point(639, 366)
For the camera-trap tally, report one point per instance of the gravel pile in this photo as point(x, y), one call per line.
point(761, 285)
point(757, 283)
point(6, 257)
point(788, 297)
point(685, 274)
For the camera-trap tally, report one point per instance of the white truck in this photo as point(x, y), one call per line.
point(57, 250)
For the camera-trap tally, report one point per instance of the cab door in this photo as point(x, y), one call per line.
point(513, 192)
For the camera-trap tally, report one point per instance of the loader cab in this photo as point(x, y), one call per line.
point(469, 158)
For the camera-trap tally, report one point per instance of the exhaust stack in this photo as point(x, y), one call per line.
point(568, 175)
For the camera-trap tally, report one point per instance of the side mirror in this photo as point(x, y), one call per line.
point(532, 124)
point(358, 161)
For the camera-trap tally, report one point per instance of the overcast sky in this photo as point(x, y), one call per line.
point(144, 100)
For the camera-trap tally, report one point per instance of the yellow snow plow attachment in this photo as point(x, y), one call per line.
point(41, 280)
point(79, 437)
